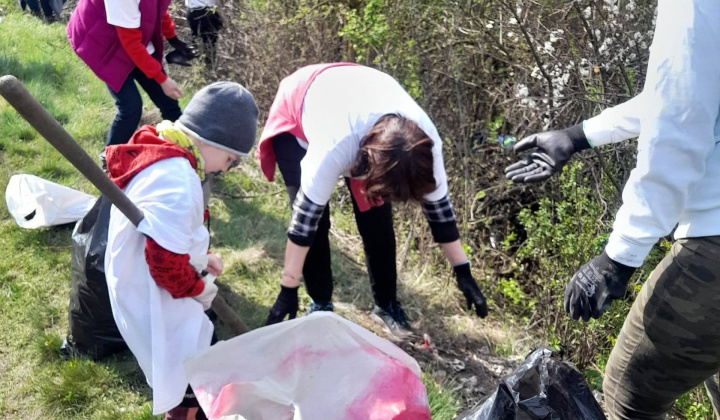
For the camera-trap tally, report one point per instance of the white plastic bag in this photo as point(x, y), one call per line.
point(35, 202)
point(319, 367)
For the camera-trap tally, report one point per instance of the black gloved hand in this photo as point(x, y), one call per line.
point(182, 48)
point(286, 304)
point(554, 149)
point(467, 284)
point(594, 287)
point(176, 57)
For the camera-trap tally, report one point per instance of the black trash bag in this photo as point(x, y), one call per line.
point(93, 332)
point(542, 388)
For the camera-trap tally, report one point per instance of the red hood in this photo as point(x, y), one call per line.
point(124, 161)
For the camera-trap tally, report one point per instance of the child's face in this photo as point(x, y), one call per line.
point(217, 160)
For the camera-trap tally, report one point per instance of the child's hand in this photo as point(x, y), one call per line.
point(215, 265)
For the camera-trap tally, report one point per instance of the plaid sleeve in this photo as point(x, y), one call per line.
point(441, 218)
point(305, 219)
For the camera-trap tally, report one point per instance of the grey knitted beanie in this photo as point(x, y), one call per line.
point(223, 115)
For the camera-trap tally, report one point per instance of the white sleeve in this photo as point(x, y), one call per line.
point(441, 184)
point(332, 142)
point(320, 171)
point(683, 88)
point(171, 201)
point(616, 124)
point(123, 13)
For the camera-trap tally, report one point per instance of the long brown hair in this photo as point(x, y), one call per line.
point(396, 158)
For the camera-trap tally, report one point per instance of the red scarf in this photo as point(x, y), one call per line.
point(124, 161)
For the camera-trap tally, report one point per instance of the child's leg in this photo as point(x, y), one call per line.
point(47, 10)
point(34, 6)
point(169, 108)
point(189, 409)
point(210, 26)
point(209, 23)
point(129, 110)
point(316, 271)
point(193, 19)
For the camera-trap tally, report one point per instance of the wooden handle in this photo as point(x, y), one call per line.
point(48, 127)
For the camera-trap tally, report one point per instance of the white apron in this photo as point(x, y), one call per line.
point(159, 330)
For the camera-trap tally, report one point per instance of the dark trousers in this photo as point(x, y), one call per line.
point(129, 106)
point(205, 24)
point(670, 342)
point(375, 227)
point(35, 5)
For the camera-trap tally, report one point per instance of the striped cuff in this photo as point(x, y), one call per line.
point(305, 219)
point(440, 211)
point(441, 218)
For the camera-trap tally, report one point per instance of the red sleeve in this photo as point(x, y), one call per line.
point(168, 26)
point(131, 40)
point(172, 271)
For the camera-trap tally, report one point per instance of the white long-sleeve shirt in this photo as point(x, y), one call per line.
point(677, 177)
point(340, 107)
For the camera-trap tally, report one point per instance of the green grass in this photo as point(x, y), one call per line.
point(35, 383)
point(34, 265)
point(443, 404)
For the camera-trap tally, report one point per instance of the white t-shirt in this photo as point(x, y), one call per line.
point(159, 330)
point(340, 107)
point(125, 14)
point(198, 4)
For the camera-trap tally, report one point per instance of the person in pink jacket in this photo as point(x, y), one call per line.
point(122, 43)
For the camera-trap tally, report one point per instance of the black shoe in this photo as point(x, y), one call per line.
point(394, 319)
point(314, 307)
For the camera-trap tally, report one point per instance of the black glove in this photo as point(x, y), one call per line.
point(286, 304)
point(594, 287)
point(466, 283)
point(182, 48)
point(554, 149)
point(176, 57)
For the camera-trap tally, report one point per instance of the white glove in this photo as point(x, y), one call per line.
point(208, 293)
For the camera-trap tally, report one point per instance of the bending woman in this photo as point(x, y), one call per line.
point(346, 120)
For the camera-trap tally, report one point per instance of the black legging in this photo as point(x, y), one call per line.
point(375, 227)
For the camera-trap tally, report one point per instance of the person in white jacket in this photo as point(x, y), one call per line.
point(157, 292)
point(670, 342)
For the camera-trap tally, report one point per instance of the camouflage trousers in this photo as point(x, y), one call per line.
point(670, 342)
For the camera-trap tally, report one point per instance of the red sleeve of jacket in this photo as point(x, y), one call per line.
point(172, 271)
point(168, 26)
point(131, 40)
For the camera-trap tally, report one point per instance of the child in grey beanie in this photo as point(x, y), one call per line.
point(156, 272)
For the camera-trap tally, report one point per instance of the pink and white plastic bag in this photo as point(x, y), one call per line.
point(319, 367)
